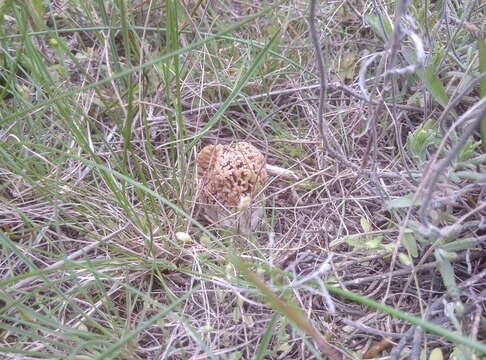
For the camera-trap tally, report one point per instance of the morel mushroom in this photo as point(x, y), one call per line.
point(231, 178)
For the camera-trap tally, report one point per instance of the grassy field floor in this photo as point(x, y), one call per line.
point(374, 247)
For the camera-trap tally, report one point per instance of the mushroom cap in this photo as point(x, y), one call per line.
point(230, 173)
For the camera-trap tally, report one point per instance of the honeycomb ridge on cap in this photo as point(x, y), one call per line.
point(230, 172)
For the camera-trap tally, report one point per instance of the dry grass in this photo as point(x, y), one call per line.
point(97, 147)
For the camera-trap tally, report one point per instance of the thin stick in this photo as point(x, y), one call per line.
point(71, 257)
point(370, 330)
point(323, 128)
point(407, 271)
point(322, 75)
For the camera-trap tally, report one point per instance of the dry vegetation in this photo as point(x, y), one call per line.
point(103, 108)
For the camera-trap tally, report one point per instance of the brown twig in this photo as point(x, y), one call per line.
point(408, 270)
point(323, 128)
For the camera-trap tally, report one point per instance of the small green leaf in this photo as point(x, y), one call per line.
point(470, 175)
point(431, 81)
point(39, 7)
point(237, 355)
point(436, 354)
point(388, 247)
point(380, 25)
point(365, 224)
point(347, 65)
point(447, 273)
point(435, 59)
point(433, 85)
point(404, 259)
point(283, 347)
point(401, 202)
point(419, 140)
point(364, 242)
point(410, 244)
point(467, 151)
point(459, 245)
point(356, 242)
point(374, 243)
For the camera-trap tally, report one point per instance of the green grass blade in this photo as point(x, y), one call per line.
point(252, 43)
point(133, 69)
point(117, 347)
point(428, 326)
point(105, 18)
point(290, 310)
point(262, 347)
point(433, 85)
point(482, 85)
point(31, 354)
point(236, 90)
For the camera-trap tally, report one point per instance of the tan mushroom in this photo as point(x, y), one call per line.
point(231, 178)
